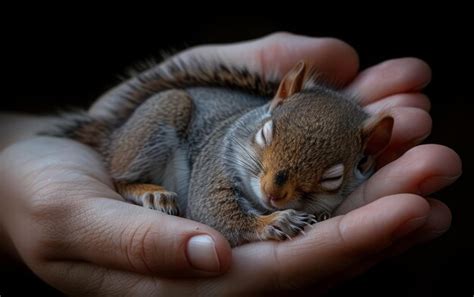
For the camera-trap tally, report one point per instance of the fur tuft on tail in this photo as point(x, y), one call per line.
point(174, 73)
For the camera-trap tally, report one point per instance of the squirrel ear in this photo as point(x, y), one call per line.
point(376, 133)
point(290, 84)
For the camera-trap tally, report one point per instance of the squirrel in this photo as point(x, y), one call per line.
point(254, 158)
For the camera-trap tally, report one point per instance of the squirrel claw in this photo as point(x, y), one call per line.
point(164, 201)
point(150, 196)
point(282, 225)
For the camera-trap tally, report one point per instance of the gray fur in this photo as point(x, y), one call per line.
point(192, 131)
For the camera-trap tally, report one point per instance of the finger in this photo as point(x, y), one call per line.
point(389, 78)
point(123, 236)
point(422, 170)
point(327, 249)
point(416, 100)
point(411, 127)
point(437, 223)
point(276, 54)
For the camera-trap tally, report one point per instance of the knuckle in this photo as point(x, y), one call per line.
point(137, 245)
point(280, 279)
point(276, 275)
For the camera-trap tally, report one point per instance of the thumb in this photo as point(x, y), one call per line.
point(59, 213)
point(123, 236)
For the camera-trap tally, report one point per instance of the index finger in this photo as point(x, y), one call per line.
point(327, 250)
point(274, 55)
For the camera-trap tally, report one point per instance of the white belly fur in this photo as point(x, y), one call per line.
point(175, 177)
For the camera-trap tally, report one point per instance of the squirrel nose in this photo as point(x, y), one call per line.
point(273, 197)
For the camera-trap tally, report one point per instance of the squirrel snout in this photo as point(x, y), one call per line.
point(273, 197)
point(277, 196)
point(277, 190)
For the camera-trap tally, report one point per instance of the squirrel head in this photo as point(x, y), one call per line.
point(314, 148)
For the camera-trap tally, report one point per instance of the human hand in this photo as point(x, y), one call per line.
point(73, 230)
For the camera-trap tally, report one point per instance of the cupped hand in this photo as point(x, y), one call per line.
point(69, 226)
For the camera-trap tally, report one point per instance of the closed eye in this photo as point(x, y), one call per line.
point(332, 178)
point(264, 135)
point(329, 179)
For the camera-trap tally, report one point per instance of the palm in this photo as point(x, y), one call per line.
point(99, 242)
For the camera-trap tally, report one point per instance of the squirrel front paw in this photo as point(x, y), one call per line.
point(150, 196)
point(284, 224)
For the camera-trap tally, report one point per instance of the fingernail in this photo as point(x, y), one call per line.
point(434, 183)
point(408, 227)
point(202, 255)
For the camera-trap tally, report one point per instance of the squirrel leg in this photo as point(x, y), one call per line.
point(149, 196)
point(139, 151)
point(219, 208)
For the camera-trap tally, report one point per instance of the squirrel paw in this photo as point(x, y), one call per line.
point(163, 201)
point(284, 224)
point(150, 196)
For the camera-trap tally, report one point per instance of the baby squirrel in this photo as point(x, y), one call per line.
point(250, 157)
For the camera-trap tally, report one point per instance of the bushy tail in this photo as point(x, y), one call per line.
point(174, 73)
point(82, 127)
point(177, 73)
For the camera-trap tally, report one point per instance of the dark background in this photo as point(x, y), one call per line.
point(65, 62)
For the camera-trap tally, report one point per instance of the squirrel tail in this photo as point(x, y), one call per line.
point(82, 127)
point(173, 73)
point(177, 73)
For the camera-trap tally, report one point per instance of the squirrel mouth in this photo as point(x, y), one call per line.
point(270, 204)
point(275, 201)
point(273, 204)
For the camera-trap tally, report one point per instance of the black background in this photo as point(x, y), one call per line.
point(68, 61)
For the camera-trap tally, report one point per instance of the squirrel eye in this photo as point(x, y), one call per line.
point(264, 135)
point(365, 166)
point(332, 178)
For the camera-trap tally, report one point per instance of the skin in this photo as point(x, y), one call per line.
point(61, 217)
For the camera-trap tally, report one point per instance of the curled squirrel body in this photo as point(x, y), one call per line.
point(255, 159)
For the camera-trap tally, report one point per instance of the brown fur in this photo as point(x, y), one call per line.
point(151, 117)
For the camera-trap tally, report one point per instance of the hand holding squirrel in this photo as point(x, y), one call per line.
point(362, 230)
point(272, 166)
